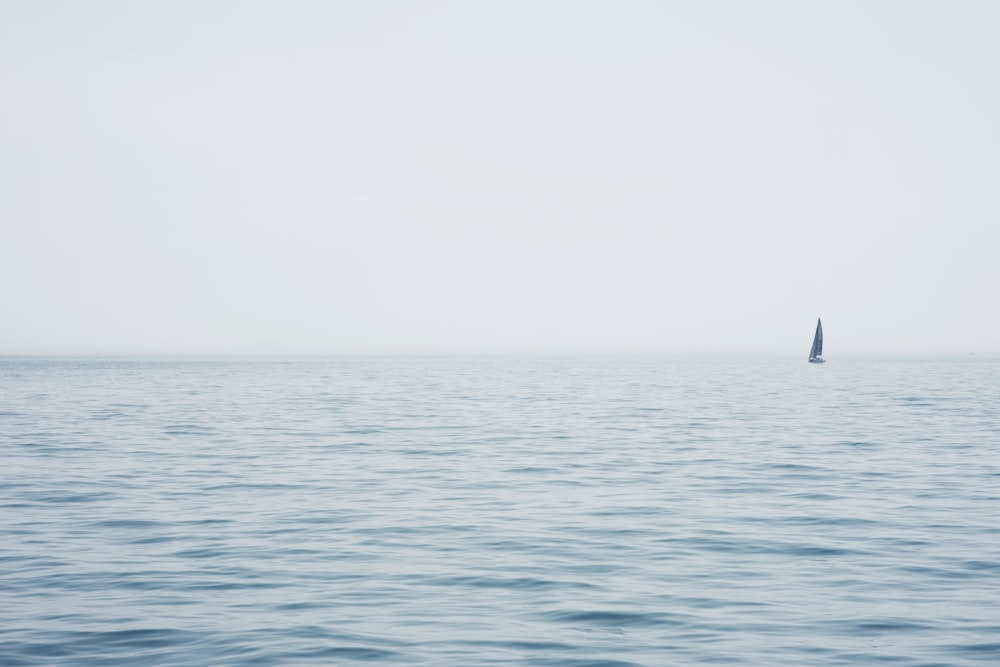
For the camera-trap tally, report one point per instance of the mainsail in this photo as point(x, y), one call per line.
point(817, 349)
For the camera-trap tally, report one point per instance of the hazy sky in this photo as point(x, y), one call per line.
point(499, 176)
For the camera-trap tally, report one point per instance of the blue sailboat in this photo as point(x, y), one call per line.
point(816, 353)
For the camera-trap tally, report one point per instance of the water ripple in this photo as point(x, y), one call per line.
point(451, 512)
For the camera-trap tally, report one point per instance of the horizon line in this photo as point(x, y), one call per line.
point(466, 353)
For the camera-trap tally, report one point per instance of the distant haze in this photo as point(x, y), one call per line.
point(198, 177)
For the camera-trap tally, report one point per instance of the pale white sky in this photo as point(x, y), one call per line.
point(499, 176)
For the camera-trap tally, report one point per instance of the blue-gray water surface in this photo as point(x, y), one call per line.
point(576, 511)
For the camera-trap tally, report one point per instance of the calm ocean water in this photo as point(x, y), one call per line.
point(500, 511)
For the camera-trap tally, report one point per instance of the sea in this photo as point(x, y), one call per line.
point(570, 511)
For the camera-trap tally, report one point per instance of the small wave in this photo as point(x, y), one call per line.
point(189, 429)
point(615, 619)
point(524, 583)
point(984, 649)
point(360, 653)
point(883, 627)
point(72, 498)
point(584, 662)
point(92, 648)
point(127, 523)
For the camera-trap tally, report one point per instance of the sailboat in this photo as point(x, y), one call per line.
point(816, 353)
